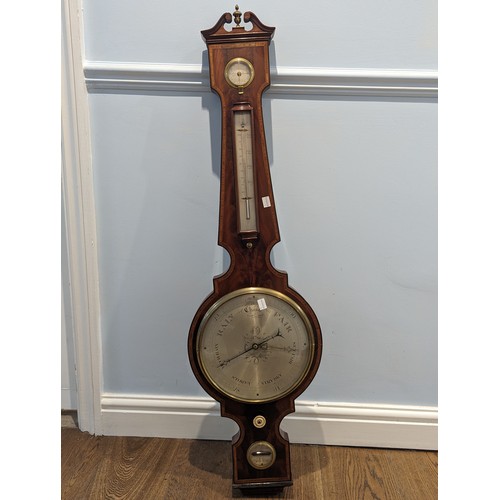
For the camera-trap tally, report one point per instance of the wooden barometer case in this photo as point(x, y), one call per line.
point(254, 343)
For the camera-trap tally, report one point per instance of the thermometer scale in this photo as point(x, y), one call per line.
point(243, 153)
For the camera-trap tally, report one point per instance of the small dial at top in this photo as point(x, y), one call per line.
point(239, 72)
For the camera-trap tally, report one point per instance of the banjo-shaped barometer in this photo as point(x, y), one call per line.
point(254, 343)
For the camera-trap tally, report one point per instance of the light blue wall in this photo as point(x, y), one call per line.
point(342, 34)
point(354, 178)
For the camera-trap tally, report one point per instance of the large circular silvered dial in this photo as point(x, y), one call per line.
point(255, 345)
point(239, 72)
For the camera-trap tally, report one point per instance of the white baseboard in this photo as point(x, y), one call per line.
point(343, 424)
point(68, 399)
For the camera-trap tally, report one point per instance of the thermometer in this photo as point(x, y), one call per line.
point(245, 172)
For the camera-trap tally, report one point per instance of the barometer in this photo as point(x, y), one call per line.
point(255, 343)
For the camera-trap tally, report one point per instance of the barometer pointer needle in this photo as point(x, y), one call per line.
point(254, 346)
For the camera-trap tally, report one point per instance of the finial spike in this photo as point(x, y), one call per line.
point(237, 15)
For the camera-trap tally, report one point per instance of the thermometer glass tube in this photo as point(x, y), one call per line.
point(245, 175)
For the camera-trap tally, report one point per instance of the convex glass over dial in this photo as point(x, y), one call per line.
point(255, 345)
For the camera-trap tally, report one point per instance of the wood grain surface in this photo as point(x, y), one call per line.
point(106, 467)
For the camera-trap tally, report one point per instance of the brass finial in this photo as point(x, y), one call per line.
point(237, 15)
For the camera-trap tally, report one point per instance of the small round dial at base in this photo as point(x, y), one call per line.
point(261, 455)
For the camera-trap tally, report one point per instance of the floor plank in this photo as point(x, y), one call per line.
point(106, 467)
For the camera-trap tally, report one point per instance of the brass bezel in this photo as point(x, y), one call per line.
point(239, 60)
point(250, 291)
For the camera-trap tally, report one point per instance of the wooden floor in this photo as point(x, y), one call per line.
point(103, 467)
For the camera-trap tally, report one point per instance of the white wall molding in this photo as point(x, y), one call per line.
point(344, 424)
point(355, 82)
point(78, 197)
point(139, 77)
point(109, 76)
